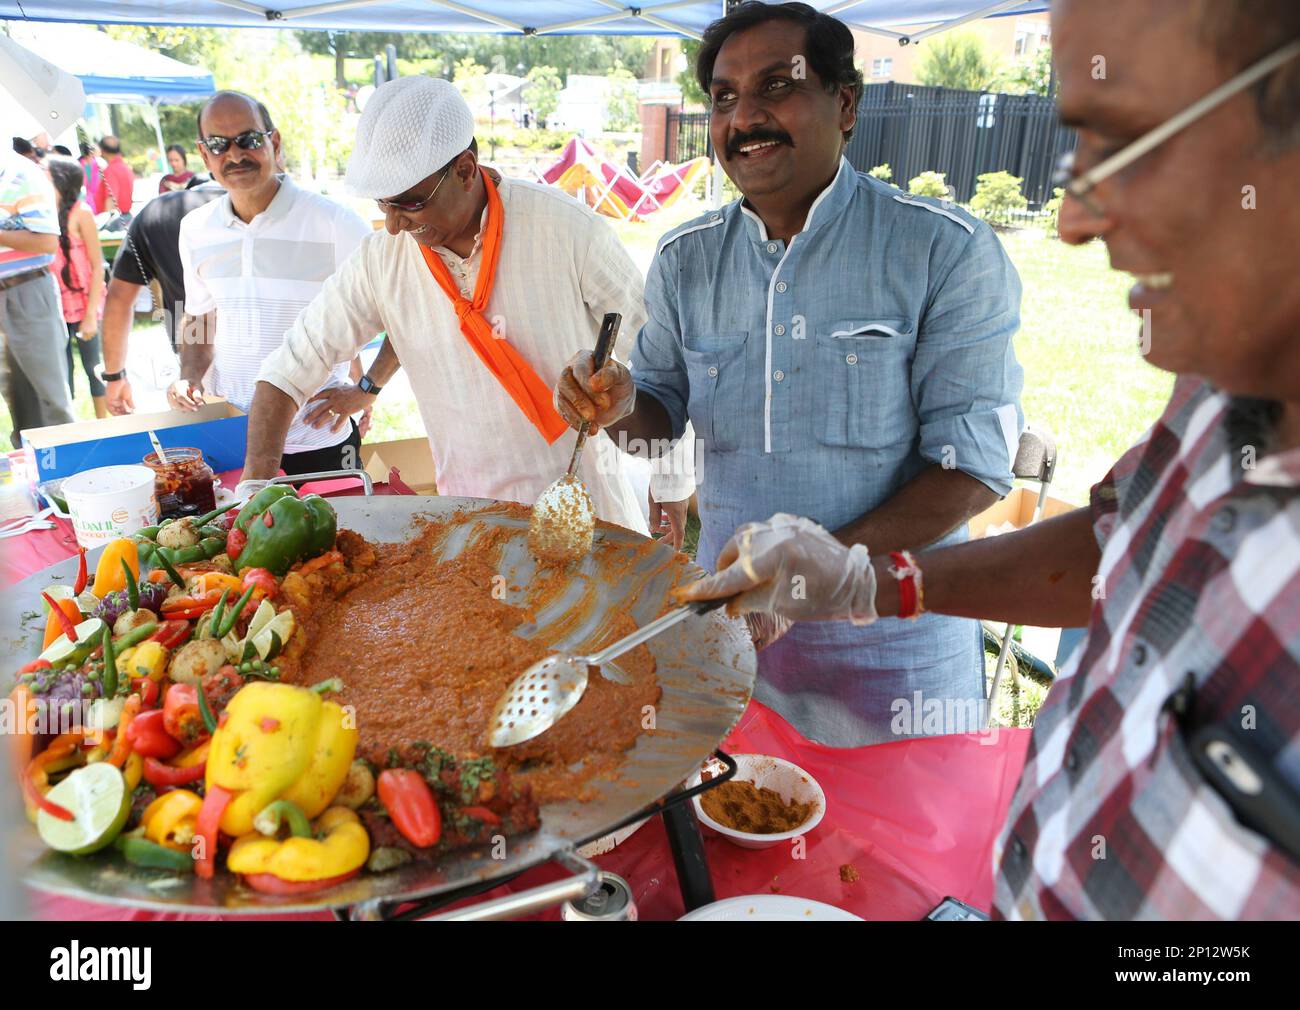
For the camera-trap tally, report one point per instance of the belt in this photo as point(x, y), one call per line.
point(22, 278)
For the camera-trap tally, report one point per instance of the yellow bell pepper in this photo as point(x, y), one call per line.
point(278, 741)
point(148, 659)
point(169, 820)
point(340, 846)
point(133, 771)
point(109, 576)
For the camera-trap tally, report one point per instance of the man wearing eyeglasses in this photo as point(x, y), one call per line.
point(485, 286)
point(252, 260)
point(1162, 779)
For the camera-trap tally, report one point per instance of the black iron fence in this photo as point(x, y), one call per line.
point(914, 128)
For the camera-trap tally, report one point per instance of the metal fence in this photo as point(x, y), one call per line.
point(914, 128)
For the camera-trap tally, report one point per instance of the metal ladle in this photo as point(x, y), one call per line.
point(563, 522)
point(547, 691)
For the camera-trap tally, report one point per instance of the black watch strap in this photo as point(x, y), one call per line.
point(367, 386)
point(114, 376)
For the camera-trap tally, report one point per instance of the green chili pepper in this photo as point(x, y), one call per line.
point(166, 566)
point(270, 817)
point(212, 546)
point(143, 852)
point(146, 549)
point(136, 635)
point(204, 520)
point(210, 532)
point(228, 622)
point(149, 533)
point(184, 555)
point(110, 663)
point(205, 710)
point(334, 685)
point(132, 586)
point(218, 612)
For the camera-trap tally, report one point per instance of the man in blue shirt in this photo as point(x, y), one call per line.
point(844, 352)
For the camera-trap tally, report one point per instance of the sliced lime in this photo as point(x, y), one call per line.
point(271, 638)
point(61, 648)
point(263, 616)
point(99, 801)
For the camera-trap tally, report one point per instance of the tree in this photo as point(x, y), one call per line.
point(362, 45)
point(620, 108)
point(1032, 76)
point(471, 81)
point(957, 60)
point(542, 92)
point(692, 94)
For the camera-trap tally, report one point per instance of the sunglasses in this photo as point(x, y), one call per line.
point(411, 206)
point(249, 140)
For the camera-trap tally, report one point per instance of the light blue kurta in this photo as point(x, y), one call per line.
point(821, 376)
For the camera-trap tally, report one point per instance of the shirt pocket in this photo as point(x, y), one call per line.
point(715, 369)
point(864, 369)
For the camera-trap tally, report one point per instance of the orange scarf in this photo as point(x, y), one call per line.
point(507, 365)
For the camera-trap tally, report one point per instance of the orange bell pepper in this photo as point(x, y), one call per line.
point(54, 623)
point(109, 576)
point(216, 581)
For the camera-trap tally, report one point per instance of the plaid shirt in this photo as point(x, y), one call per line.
point(1200, 583)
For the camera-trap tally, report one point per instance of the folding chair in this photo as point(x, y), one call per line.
point(1036, 461)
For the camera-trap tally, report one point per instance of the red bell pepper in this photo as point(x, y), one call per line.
point(235, 543)
point(147, 690)
point(161, 776)
point(149, 737)
point(207, 828)
point(171, 633)
point(182, 717)
point(483, 814)
point(410, 803)
point(269, 883)
point(262, 580)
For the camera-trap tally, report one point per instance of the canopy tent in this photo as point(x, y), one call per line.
point(37, 96)
point(525, 17)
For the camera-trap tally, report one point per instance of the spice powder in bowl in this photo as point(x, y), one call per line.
point(742, 806)
point(770, 800)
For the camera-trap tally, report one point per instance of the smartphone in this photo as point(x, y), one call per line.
point(952, 910)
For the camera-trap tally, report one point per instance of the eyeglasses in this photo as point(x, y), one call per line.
point(1080, 187)
point(411, 206)
point(249, 140)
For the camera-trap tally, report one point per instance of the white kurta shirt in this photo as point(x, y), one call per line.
point(561, 269)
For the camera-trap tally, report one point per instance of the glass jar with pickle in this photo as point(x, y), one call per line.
point(184, 480)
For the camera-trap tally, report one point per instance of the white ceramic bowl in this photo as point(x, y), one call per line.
point(792, 783)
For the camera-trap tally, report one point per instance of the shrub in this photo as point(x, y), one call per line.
point(882, 172)
point(929, 184)
point(1052, 211)
point(997, 194)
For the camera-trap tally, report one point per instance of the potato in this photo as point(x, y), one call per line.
point(133, 619)
point(195, 660)
point(358, 787)
point(179, 534)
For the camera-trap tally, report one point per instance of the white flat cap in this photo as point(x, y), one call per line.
point(411, 127)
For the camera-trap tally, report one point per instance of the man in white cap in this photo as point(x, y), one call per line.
point(485, 286)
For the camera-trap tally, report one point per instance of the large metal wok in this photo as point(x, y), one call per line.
point(706, 668)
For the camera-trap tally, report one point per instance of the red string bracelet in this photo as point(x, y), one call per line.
point(911, 599)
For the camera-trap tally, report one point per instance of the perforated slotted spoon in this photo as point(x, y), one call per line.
point(563, 522)
point(544, 693)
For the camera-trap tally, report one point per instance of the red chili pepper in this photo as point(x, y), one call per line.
point(482, 814)
point(65, 622)
point(410, 803)
point(207, 827)
point(268, 520)
point(160, 775)
point(171, 633)
point(235, 543)
point(147, 690)
point(36, 664)
point(38, 798)
point(83, 576)
point(148, 735)
point(269, 883)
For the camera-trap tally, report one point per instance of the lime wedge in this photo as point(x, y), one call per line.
point(270, 639)
point(61, 648)
point(99, 801)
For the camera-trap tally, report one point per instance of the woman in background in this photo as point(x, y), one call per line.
point(180, 174)
point(79, 267)
point(94, 171)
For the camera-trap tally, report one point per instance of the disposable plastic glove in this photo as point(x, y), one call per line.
point(791, 567)
point(245, 489)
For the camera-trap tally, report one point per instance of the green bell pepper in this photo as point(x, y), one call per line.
point(300, 528)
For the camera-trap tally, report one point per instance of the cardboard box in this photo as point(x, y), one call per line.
point(1017, 508)
point(411, 457)
point(218, 429)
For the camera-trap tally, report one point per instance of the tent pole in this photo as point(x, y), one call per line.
point(157, 129)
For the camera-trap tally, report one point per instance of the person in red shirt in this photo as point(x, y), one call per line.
point(119, 181)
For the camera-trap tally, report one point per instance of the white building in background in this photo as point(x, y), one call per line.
point(581, 108)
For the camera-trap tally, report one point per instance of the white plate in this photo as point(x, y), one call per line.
point(769, 908)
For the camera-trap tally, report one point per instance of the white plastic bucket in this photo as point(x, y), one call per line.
point(110, 502)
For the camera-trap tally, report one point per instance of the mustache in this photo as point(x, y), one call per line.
point(241, 164)
point(738, 140)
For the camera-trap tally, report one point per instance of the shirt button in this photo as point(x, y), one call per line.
point(1018, 847)
point(851, 359)
point(713, 371)
point(1226, 520)
point(778, 375)
point(780, 286)
point(716, 217)
point(771, 247)
point(780, 329)
point(1072, 760)
point(1139, 654)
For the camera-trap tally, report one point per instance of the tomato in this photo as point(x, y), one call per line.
point(235, 543)
point(263, 580)
point(410, 803)
point(181, 715)
point(148, 735)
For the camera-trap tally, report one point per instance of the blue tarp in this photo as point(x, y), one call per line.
point(658, 17)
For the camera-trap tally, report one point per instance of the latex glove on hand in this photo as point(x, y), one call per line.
point(245, 489)
point(791, 567)
point(602, 398)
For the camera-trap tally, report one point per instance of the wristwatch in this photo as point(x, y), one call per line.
point(114, 376)
point(366, 386)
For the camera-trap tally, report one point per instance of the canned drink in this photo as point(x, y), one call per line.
point(610, 902)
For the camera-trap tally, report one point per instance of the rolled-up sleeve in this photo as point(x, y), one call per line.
point(966, 381)
point(658, 367)
point(330, 331)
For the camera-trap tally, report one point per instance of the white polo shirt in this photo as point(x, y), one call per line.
point(258, 276)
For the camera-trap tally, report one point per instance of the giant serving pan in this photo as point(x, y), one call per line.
point(705, 666)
